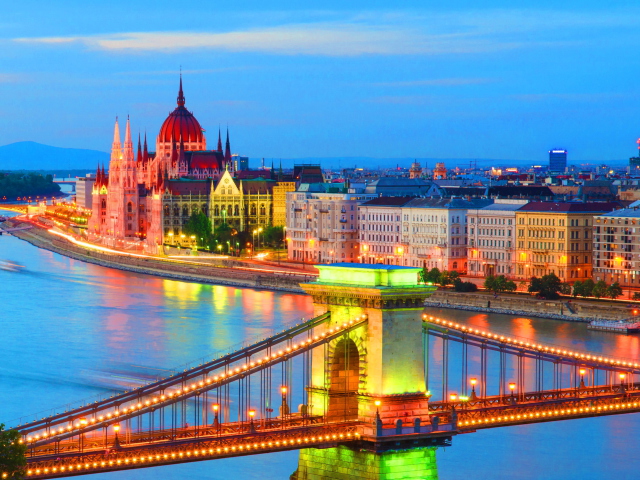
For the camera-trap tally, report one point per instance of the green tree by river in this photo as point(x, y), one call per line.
point(15, 185)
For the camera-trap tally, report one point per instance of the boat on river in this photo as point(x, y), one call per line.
point(618, 326)
point(10, 266)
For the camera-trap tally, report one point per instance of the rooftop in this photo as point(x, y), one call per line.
point(570, 207)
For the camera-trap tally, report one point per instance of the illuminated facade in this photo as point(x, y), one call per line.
point(148, 197)
point(380, 231)
point(556, 238)
point(280, 191)
point(616, 245)
point(435, 231)
point(492, 238)
point(323, 227)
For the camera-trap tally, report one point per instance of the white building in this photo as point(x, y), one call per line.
point(380, 231)
point(323, 227)
point(84, 189)
point(616, 247)
point(435, 232)
point(492, 238)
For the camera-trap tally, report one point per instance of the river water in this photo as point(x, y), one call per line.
point(65, 326)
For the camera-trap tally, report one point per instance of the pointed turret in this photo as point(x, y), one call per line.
point(116, 136)
point(180, 94)
point(128, 143)
point(219, 140)
point(139, 156)
point(227, 150)
point(145, 152)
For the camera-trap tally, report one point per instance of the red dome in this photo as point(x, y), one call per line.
point(181, 124)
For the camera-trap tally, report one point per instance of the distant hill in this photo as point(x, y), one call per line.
point(36, 156)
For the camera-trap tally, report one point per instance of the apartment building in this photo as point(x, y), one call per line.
point(492, 238)
point(434, 232)
point(379, 231)
point(323, 227)
point(557, 238)
point(616, 247)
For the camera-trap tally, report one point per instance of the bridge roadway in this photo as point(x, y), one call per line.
point(78, 441)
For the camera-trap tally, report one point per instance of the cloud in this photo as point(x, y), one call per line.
point(572, 97)
point(436, 82)
point(375, 33)
point(12, 77)
point(331, 39)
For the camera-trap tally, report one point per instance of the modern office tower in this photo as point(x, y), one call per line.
point(557, 160)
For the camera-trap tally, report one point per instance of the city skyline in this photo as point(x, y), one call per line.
point(365, 81)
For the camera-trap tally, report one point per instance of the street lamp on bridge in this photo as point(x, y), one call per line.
point(252, 428)
point(473, 397)
point(284, 409)
point(582, 372)
point(216, 421)
point(116, 428)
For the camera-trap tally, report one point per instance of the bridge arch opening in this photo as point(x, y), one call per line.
point(344, 380)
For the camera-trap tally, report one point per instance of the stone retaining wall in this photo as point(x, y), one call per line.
point(219, 275)
point(523, 305)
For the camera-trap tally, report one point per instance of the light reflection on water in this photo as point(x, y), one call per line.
point(597, 448)
point(62, 321)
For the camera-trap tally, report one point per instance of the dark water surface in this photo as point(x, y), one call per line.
point(66, 326)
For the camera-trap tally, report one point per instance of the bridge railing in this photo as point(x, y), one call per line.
point(168, 404)
point(91, 404)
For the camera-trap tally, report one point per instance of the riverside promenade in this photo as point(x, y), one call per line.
point(222, 272)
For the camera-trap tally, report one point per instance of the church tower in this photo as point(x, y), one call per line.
point(115, 198)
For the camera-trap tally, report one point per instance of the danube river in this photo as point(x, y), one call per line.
point(68, 329)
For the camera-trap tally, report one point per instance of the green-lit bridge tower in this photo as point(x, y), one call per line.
point(376, 368)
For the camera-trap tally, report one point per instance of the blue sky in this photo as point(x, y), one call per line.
point(509, 80)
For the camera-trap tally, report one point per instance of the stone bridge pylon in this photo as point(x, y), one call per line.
point(372, 373)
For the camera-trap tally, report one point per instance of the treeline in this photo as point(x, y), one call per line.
point(444, 278)
point(14, 185)
point(226, 239)
point(550, 287)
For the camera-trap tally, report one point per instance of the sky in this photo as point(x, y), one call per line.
point(508, 80)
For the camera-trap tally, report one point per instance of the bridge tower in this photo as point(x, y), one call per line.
point(371, 374)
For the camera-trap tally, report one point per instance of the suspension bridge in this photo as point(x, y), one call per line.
point(370, 385)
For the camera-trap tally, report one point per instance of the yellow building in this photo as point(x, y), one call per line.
point(556, 238)
point(280, 202)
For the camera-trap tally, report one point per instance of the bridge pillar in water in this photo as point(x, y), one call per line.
point(383, 360)
point(343, 463)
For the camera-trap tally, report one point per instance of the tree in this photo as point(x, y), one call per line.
point(565, 288)
point(199, 226)
point(430, 276)
point(445, 278)
point(222, 234)
point(460, 286)
point(510, 286)
point(587, 288)
point(499, 284)
point(274, 236)
point(614, 291)
point(546, 287)
point(12, 453)
point(599, 289)
point(636, 296)
point(578, 288)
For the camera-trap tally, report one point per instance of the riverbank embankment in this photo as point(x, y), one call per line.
point(528, 306)
point(190, 272)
